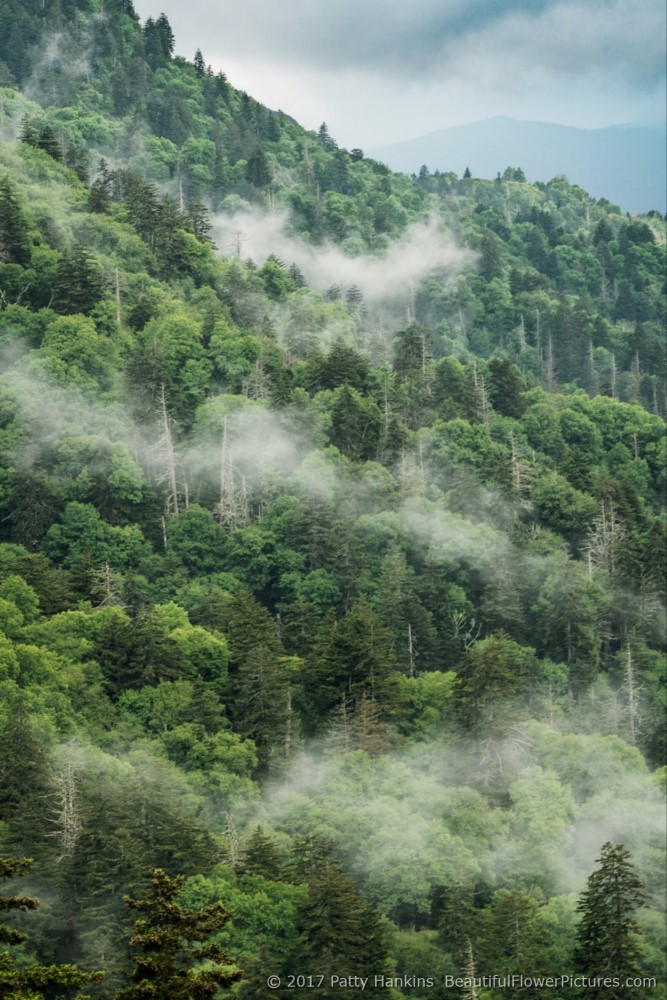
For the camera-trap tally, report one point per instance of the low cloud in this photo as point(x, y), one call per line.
point(424, 249)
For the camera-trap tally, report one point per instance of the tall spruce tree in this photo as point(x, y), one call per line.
point(25, 788)
point(341, 934)
point(14, 240)
point(169, 943)
point(608, 945)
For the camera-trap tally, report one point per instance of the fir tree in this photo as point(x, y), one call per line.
point(35, 981)
point(261, 857)
point(48, 141)
point(25, 786)
point(608, 935)
point(170, 940)
point(261, 702)
point(79, 282)
point(341, 934)
point(14, 240)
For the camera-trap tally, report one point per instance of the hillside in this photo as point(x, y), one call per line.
point(626, 165)
point(331, 538)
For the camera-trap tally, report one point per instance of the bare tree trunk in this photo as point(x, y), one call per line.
point(288, 726)
point(470, 974)
point(550, 374)
point(613, 376)
point(632, 692)
point(167, 443)
point(522, 335)
point(411, 650)
point(233, 844)
point(66, 816)
point(117, 282)
point(518, 477)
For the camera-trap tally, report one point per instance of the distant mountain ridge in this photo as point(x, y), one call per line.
point(625, 164)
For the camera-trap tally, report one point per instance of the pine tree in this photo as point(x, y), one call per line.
point(457, 919)
point(608, 935)
point(48, 141)
point(29, 132)
point(258, 169)
point(247, 625)
point(354, 659)
point(490, 263)
point(170, 940)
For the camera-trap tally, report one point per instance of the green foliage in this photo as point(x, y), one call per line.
point(384, 563)
point(607, 934)
point(494, 681)
point(35, 981)
point(170, 940)
point(341, 934)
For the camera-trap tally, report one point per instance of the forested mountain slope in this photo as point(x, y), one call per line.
point(623, 163)
point(332, 522)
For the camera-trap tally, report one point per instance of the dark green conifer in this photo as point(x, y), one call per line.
point(341, 934)
point(608, 942)
point(170, 942)
point(261, 703)
point(14, 239)
point(261, 857)
point(79, 283)
point(48, 141)
point(33, 981)
point(25, 787)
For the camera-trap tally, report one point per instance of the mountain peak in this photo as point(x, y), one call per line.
point(623, 163)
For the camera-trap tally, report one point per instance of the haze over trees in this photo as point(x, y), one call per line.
point(331, 546)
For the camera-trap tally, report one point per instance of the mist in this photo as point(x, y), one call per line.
point(426, 815)
point(424, 249)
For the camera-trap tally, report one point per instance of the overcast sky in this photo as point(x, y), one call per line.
point(380, 71)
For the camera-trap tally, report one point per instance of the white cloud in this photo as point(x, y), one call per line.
point(378, 71)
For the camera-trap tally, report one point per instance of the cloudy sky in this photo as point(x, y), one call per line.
point(380, 71)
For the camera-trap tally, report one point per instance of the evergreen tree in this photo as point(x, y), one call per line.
point(25, 787)
point(457, 918)
point(246, 626)
point(170, 940)
point(341, 934)
point(34, 981)
point(355, 657)
point(506, 385)
point(48, 141)
point(14, 240)
point(261, 857)
point(608, 935)
point(490, 264)
point(79, 282)
point(262, 702)
point(355, 423)
point(513, 935)
point(495, 677)
point(258, 170)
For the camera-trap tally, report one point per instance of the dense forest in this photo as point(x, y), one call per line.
point(331, 551)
